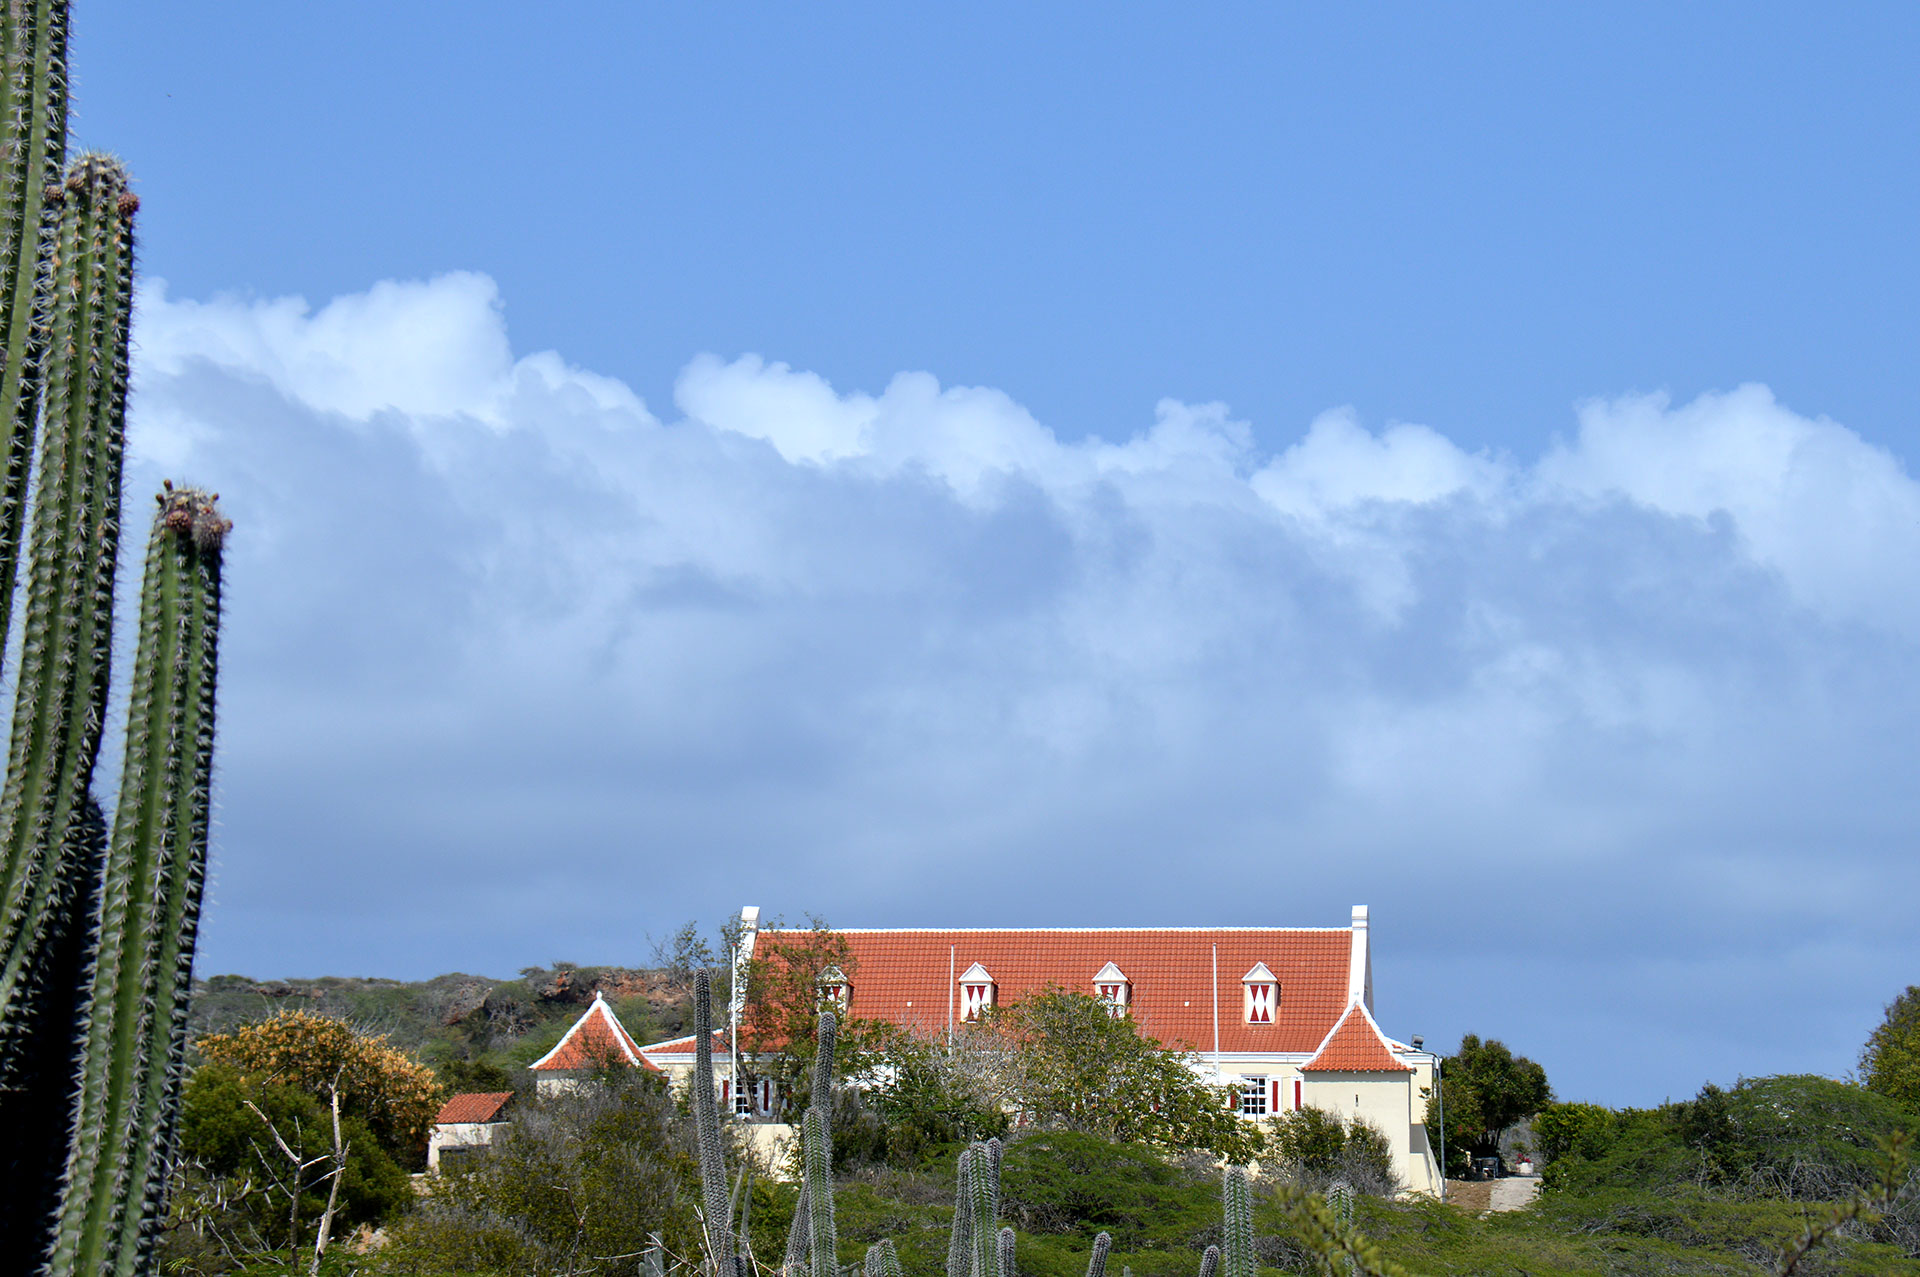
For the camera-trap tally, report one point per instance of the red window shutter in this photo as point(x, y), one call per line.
point(1296, 1093)
point(1276, 1095)
point(726, 1100)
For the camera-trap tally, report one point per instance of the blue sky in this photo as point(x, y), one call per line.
point(1058, 464)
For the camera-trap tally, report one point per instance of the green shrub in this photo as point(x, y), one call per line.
point(1316, 1148)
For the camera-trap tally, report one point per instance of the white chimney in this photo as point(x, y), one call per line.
point(742, 955)
point(1360, 963)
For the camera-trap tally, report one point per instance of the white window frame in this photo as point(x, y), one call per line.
point(1254, 1095)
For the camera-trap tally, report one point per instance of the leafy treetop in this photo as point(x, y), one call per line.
point(1890, 1062)
point(395, 1094)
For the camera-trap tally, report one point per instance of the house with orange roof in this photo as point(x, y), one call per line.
point(597, 1040)
point(1283, 1015)
point(466, 1125)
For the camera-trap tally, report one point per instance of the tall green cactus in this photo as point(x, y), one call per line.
point(132, 1057)
point(713, 1167)
point(1236, 1237)
point(1097, 1262)
point(960, 1239)
point(816, 1144)
point(60, 701)
point(882, 1259)
point(33, 155)
point(983, 1202)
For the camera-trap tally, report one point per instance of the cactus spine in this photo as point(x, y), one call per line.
point(33, 153)
point(132, 1058)
point(1236, 1249)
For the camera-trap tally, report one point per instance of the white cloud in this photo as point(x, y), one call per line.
point(500, 638)
point(1838, 518)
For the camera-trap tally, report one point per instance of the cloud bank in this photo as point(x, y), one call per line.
point(1612, 739)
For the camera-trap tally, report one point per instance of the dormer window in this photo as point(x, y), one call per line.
point(1112, 987)
point(836, 990)
point(976, 992)
point(1262, 994)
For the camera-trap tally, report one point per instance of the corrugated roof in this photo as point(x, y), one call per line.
point(907, 977)
point(597, 1038)
point(1356, 1045)
point(473, 1106)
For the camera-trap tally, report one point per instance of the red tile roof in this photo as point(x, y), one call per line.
point(1356, 1045)
point(904, 976)
point(596, 1038)
point(473, 1106)
point(684, 1044)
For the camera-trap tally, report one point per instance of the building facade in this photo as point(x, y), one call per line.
point(1282, 1014)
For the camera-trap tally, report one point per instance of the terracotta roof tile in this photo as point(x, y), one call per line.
point(473, 1106)
point(596, 1038)
point(1355, 1045)
point(903, 976)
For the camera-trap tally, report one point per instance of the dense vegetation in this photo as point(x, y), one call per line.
point(1723, 1183)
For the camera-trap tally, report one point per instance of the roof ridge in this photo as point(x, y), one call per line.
point(898, 931)
point(621, 1037)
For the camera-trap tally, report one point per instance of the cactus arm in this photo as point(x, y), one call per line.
point(1097, 1262)
point(800, 1230)
point(1006, 1248)
point(1236, 1251)
point(817, 1142)
point(713, 1166)
point(133, 1053)
point(828, 1036)
point(1209, 1263)
point(983, 1201)
point(996, 1153)
point(960, 1241)
point(889, 1258)
point(33, 151)
point(61, 697)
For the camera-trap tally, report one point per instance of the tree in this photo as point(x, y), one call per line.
point(295, 1118)
point(579, 1184)
point(1317, 1148)
point(780, 1022)
point(931, 1092)
point(393, 1093)
point(1486, 1091)
point(1083, 1067)
point(1890, 1061)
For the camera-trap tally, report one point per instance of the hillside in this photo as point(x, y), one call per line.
point(459, 1023)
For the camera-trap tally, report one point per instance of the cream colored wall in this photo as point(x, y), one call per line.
point(458, 1135)
point(1395, 1105)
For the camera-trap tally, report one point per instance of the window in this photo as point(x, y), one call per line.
point(1253, 1096)
point(836, 990)
point(1262, 994)
point(1111, 986)
point(752, 1099)
point(976, 992)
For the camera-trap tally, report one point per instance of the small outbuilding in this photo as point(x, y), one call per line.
point(466, 1126)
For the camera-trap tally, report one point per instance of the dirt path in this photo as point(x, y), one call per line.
point(1477, 1197)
